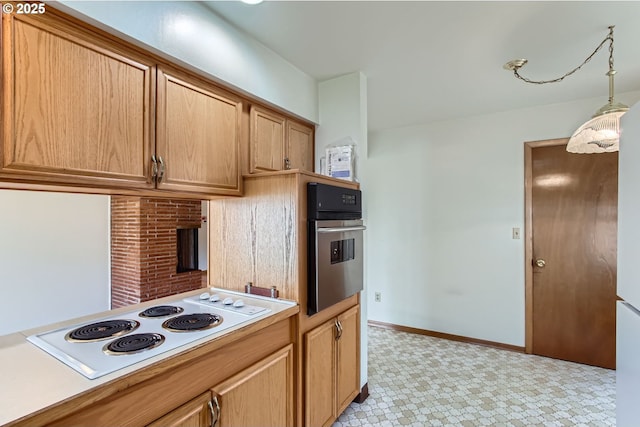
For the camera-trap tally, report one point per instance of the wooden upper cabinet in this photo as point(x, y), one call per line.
point(277, 143)
point(77, 107)
point(267, 143)
point(197, 135)
point(299, 146)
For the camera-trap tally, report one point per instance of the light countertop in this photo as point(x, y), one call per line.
point(33, 381)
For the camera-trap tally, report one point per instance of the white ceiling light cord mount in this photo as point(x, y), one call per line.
point(601, 134)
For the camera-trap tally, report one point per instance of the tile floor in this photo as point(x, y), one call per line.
point(416, 380)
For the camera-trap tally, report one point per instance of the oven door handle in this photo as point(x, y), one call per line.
point(341, 229)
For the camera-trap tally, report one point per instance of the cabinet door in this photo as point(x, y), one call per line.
point(197, 136)
point(348, 358)
point(261, 395)
point(267, 140)
point(320, 382)
point(195, 413)
point(300, 146)
point(76, 107)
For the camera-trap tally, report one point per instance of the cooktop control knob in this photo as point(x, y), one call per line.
point(214, 298)
point(227, 301)
point(204, 295)
point(239, 303)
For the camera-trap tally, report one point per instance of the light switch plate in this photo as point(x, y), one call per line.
point(515, 233)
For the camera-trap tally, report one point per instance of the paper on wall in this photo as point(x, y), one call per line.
point(340, 162)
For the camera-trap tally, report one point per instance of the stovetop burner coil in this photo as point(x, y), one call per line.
point(161, 311)
point(192, 322)
point(131, 344)
point(102, 330)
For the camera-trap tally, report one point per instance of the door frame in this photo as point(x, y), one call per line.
point(528, 235)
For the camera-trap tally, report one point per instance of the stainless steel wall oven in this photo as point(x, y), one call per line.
point(335, 258)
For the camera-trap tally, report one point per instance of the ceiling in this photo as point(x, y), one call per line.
point(427, 61)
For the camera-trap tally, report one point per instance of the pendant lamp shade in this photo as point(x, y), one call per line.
point(601, 134)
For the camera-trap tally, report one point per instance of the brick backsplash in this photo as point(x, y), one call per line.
point(143, 248)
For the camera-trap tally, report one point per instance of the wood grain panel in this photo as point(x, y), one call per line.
point(348, 359)
point(300, 146)
point(267, 140)
point(261, 395)
point(254, 239)
point(574, 229)
point(320, 375)
point(76, 108)
point(198, 135)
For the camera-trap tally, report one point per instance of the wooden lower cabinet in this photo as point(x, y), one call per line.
point(260, 395)
point(331, 358)
point(348, 359)
point(196, 413)
point(320, 378)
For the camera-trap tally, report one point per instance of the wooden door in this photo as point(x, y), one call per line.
point(299, 146)
point(320, 382)
point(348, 355)
point(77, 108)
point(198, 135)
point(195, 413)
point(574, 231)
point(261, 395)
point(267, 132)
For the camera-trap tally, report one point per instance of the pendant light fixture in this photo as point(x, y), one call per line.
point(601, 134)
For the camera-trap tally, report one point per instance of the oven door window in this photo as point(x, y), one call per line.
point(342, 250)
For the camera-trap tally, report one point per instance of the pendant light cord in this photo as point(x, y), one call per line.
point(559, 79)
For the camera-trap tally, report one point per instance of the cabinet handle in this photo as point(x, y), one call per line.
point(161, 172)
point(154, 167)
point(338, 330)
point(215, 412)
point(287, 163)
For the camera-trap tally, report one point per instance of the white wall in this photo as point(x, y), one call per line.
point(54, 257)
point(627, 320)
point(628, 273)
point(442, 200)
point(343, 113)
point(189, 33)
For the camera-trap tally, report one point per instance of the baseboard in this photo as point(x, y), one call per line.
point(451, 337)
point(364, 393)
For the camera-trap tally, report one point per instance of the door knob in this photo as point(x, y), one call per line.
point(540, 263)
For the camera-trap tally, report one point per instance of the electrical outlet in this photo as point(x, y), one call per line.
point(378, 296)
point(515, 233)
